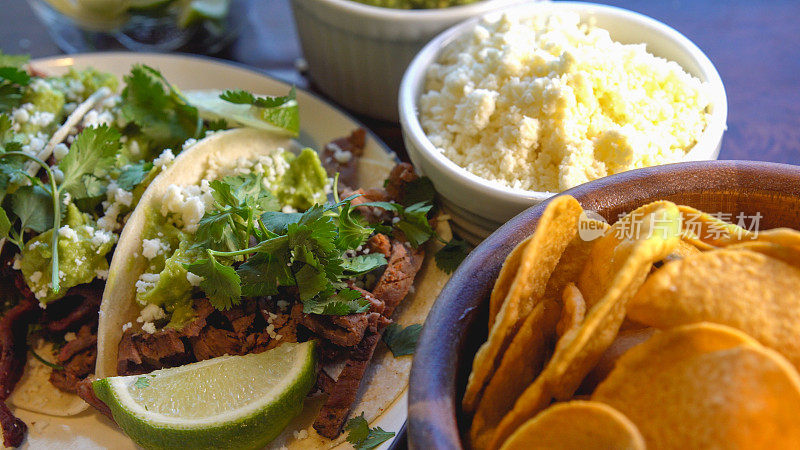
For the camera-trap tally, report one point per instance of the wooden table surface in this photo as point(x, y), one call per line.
point(755, 45)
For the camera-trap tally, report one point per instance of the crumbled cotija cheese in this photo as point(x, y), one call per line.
point(547, 103)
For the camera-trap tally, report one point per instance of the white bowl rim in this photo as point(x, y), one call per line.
point(417, 70)
point(433, 14)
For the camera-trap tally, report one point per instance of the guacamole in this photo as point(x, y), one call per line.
point(304, 182)
point(82, 255)
point(416, 4)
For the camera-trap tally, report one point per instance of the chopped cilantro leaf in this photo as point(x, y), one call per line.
point(245, 98)
point(91, 155)
point(346, 301)
point(158, 109)
point(419, 191)
point(12, 80)
point(239, 201)
point(216, 125)
point(277, 222)
point(413, 220)
point(32, 204)
point(414, 224)
point(402, 341)
point(133, 174)
point(362, 436)
point(352, 232)
point(141, 383)
point(362, 264)
point(5, 224)
point(221, 283)
point(14, 75)
point(264, 272)
point(10, 96)
point(451, 255)
point(291, 249)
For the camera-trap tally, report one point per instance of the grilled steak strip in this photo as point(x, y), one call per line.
point(392, 287)
point(13, 429)
point(342, 156)
point(78, 307)
point(343, 393)
point(78, 358)
point(212, 333)
point(397, 279)
point(400, 176)
point(13, 343)
point(143, 352)
point(345, 331)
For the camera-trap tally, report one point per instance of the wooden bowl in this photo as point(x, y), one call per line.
point(457, 323)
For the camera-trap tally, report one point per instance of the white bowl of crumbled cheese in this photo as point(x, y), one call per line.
point(505, 110)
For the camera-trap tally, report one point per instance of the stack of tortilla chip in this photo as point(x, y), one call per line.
point(672, 329)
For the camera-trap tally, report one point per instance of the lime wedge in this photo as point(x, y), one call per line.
point(196, 11)
point(226, 402)
point(283, 120)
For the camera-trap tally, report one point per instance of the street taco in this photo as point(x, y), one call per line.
point(372, 262)
point(76, 153)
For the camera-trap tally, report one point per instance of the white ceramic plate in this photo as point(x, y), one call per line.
point(320, 122)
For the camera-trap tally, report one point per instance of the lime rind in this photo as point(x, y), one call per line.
point(251, 427)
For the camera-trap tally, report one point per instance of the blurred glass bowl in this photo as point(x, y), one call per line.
point(201, 26)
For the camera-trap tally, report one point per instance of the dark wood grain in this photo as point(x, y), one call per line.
point(755, 45)
point(457, 323)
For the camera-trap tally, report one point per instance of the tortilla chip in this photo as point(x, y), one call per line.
point(706, 231)
point(743, 289)
point(611, 252)
point(625, 341)
point(507, 274)
point(556, 228)
point(577, 425)
point(787, 254)
point(703, 385)
point(780, 236)
point(521, 363)
point(682, 250)
point(579, 349)
point(573, 310)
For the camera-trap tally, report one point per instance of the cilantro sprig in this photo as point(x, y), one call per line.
point(159, 109)
point(362, 436)
point(281, 112)
point(37, 206)
point(305, 250)
point(13, 80)
point(241, 97)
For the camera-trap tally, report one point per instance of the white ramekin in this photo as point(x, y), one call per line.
point(478, 206)
point(357, 53)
